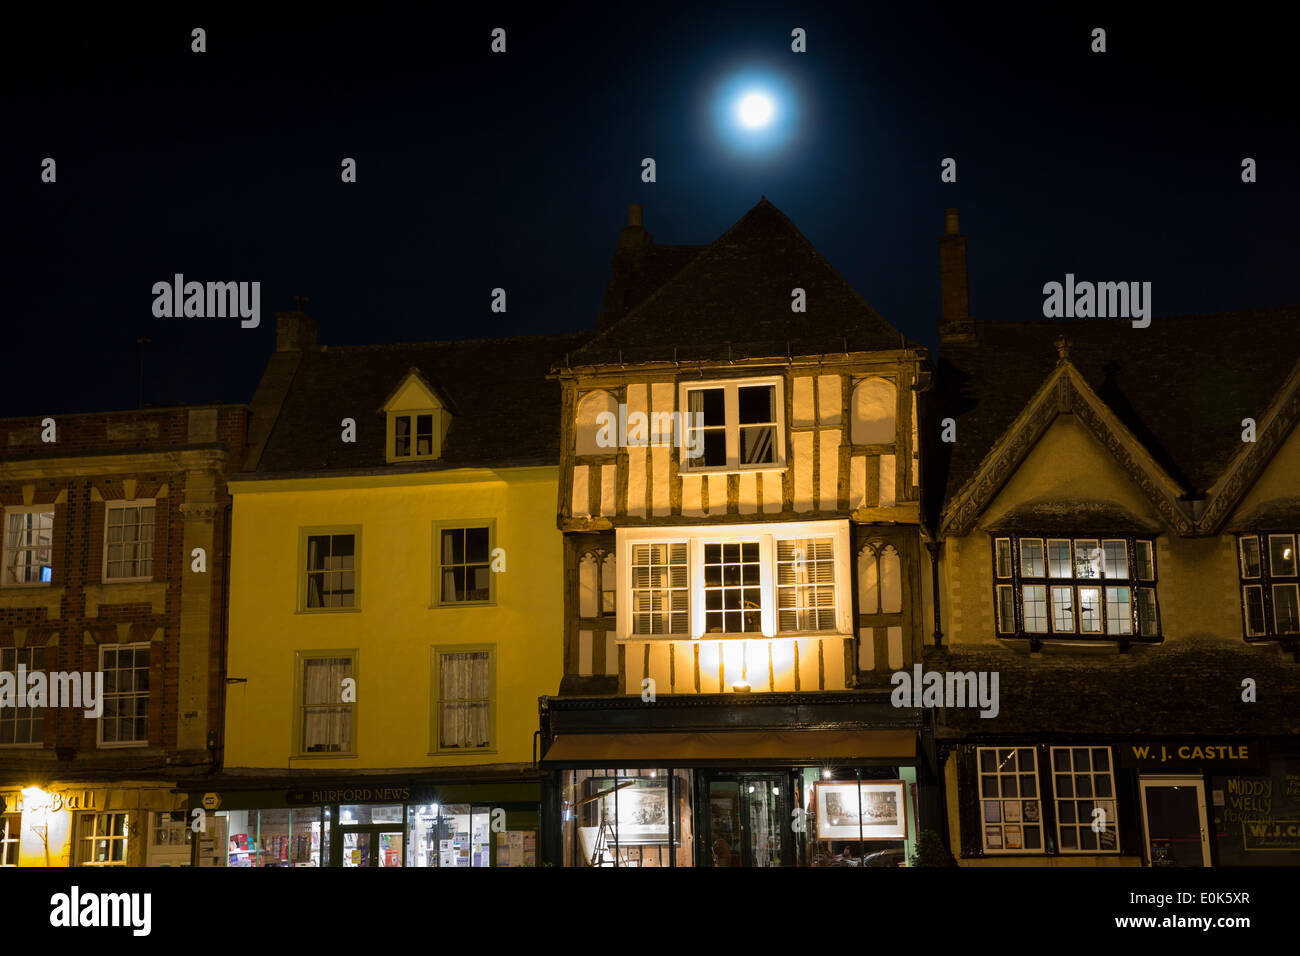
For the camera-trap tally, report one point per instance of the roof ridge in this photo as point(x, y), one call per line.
point(379, 347)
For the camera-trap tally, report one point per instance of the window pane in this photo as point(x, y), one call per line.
point(1031, 557)
point(1281, 555)
point(1114, 559)
point(1253, 599)
point(1147, 611)
point(1087, 559)
point(1058, 557)
point(757, 404)
point(1003, 557)
point(1006, 609)
point(1118, 611)
point(1250, 557)
point(1146, 560)
point(1035, 608)
point(1089, 610)
point(1286, 608)
point(1063, 609)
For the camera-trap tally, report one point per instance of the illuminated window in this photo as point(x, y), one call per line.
point(1270, 586)
point(660, 589)
point(103, 839)
point(10, 837)
point(1010, 807)
point(464, 680)
point(1084, 783)
point(1075, 588)
point(28, 547)
point(326, 711)
point(805, 585)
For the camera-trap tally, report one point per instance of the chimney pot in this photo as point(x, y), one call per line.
point(955, 322)
point(951, 219)
point(294, 332)
point(634, 214)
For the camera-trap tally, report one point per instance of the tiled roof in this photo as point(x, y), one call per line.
point(733, 300)
point(1182, 385)
point(506, 410)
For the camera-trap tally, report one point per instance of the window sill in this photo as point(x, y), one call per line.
point(729, 470)
point(108, 582)
point(327, 610)
point(446, 604)
point(29, 586)
point(462, 751)
point(324, 756)
point(132, 745)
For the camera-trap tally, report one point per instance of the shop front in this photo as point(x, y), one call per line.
point(119, 823)
point(783, 780)
point(349, 824)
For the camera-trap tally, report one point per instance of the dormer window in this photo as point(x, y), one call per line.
point(417, 420)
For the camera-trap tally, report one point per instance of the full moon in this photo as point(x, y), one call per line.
point(755, 110)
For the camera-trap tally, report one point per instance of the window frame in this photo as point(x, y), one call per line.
point(100, 743)
point(300, 659)
point(731, 406)
point(11, 838)
point(1140, 589)
point(461, 524)
point(1000, 799)
point(82, 839)
point(435, 698)
point(309, 531)
point(390, 437)
point(31, 650)
point(118, 505)
point(1266, 582)
point(1057, 799)
point(766, 535)
point(4, 529)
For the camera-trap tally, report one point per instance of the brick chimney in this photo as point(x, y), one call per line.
point(294, 332)
point(629, 262)
point(955, 322)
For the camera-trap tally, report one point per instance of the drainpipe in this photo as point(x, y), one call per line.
point(933, 548)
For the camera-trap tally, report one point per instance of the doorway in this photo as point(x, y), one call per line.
point(1174, 821)
point(746, 820)
point(371, 845)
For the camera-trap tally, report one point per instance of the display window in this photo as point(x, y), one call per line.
point(627, 816)
point(280, 837)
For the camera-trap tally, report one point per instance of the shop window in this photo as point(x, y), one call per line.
point(326, 711)
point(102, 839)
point(1084, 784)
point(22, 725)
point(464, 681)
point(736, 425)
point(261, 838)
point(28, 546)
point(128, 540)
point(463, 563)
point(1010, 806)
point(1075, 588)
point(455, 835)
point(330, 568)
point(125, 721)
point(1270, 586)
point(10, 838)
point(626, 817)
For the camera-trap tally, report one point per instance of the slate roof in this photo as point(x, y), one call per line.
point(733, 298)
point(1187, 686)
point(1181, 385)
point(506, 410)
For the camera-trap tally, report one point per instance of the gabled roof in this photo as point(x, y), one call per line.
point(435, 394)
point(1181, 386)
point(733, 300)
point(507, 411)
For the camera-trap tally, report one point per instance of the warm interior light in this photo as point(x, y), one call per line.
point(826, 774)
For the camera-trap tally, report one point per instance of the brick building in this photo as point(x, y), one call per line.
point(114, 559)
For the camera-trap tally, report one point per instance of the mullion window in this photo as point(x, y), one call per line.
point(1010, 804)
point(1090, 587)
point(22, 725)
point(1083, 781)
point(733, 597)
point(125, 720)
point(735, 425)
point(1269, 568)
point(28, 543)
point(660, 589)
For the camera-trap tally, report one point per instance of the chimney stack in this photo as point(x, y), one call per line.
point(294, 332)
point(955, 322)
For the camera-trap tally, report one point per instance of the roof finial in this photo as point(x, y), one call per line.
point(302, 300)
point(1062, 347)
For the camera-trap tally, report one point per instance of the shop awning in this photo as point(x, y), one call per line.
point(722, 748)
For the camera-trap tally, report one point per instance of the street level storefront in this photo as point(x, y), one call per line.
point(1135, 801)
point(771, 780)
point(367, 822)
point(78, 823)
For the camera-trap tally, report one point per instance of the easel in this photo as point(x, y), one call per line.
point(606, 830)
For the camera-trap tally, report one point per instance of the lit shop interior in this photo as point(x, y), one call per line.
point(807, 816)
point(366, 835)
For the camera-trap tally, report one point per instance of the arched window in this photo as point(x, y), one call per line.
point(874, 413)
point(880, 580)
point(597, 584)
point(588, 424)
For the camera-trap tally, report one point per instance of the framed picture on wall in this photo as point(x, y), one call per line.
point(636, 814)
point(883, 810)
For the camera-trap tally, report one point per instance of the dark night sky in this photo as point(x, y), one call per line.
point(477, 171)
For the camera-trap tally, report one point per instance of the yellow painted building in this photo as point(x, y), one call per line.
point(395, 608)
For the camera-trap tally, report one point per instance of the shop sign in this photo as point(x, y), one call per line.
point(1189, 755)
point(363, 794)
point(52, 801)
point(210, 801)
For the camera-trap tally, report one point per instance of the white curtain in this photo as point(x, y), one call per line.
point(326, 721)
point(464, 692)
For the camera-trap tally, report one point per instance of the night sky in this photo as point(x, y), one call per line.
point(478, 170)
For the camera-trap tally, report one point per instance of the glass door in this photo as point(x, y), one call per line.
point(388, 848)
point(745, 813)
point(370, 846)
point(355, 845)
point(1173, 817)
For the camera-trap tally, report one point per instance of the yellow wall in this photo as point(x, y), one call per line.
point(1279, 481)
point(396, 626)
